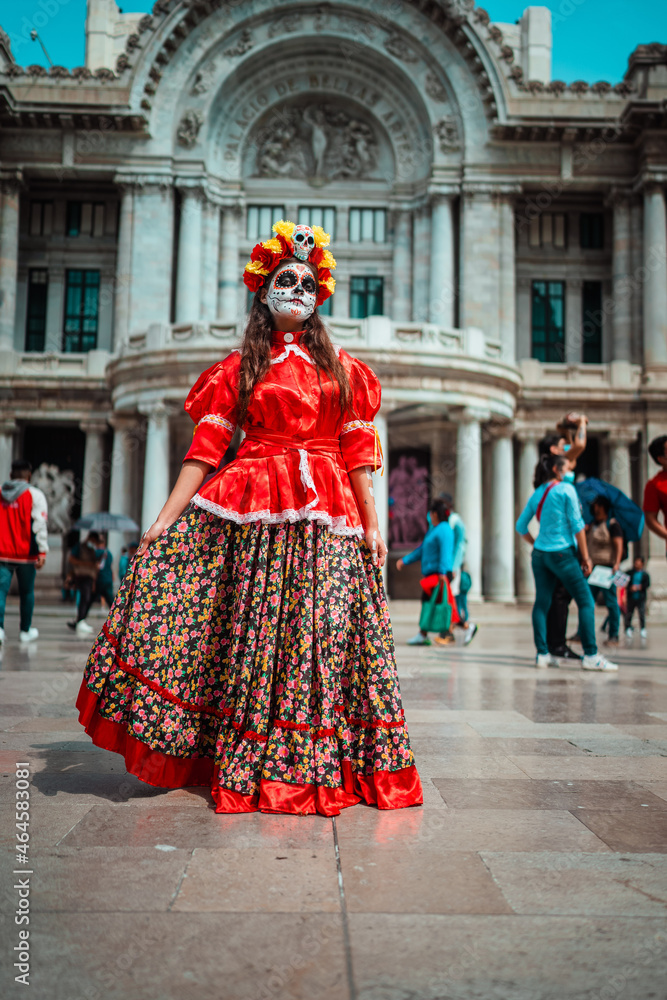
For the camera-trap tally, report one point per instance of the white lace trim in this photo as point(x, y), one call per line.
point(336, 525)
point(213, 418)
point(353, 425)
point(292, 349)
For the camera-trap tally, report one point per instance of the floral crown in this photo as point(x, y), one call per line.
point(292, 240)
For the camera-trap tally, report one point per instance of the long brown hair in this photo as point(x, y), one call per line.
point(256, 352)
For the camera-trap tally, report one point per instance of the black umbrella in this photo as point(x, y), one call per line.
point(104, 521)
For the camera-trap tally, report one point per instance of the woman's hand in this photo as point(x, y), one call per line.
point(376, 544)
point(399, 565)
point(587, 566)
point(156, 529)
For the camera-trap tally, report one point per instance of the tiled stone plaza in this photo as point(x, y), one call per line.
point(536, 869)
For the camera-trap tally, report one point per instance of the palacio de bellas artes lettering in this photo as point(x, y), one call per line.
point(468, 195)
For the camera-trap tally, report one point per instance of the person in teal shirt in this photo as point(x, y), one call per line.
point(556, 506)
point(436, 554)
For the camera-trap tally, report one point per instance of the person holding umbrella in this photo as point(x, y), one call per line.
point(605, 547)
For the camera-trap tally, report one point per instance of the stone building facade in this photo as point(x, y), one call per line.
point(500, 239)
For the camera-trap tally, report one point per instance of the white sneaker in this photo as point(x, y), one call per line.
point(629, 632)
point(598, 662)
point(471, 632)
point(2, 635)
point(643, 633)
point(83, 628)
point(29, 636)
point(543, 660)
point(419, 640)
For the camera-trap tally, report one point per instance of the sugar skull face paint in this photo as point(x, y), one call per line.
point(303, 241)
point(292, 292)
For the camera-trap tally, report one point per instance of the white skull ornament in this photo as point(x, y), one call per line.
point(303, 242)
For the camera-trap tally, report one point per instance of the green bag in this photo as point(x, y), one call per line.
point(436, 617)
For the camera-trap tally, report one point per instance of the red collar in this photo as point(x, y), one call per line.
point(282, 339)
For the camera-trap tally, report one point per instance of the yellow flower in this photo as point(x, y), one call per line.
point(330, 284)
point(328, 260)
point(322, 239)
point(255, 267)
point(273, 244)
point(285, 229)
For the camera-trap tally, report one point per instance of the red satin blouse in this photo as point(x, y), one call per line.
point(299, 447)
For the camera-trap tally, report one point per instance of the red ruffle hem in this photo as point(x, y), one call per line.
point(384, 789)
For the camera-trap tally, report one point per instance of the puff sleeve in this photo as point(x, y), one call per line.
point(212, 405)
point(359, 439)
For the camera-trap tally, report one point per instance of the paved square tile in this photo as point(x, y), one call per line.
point(536, 869)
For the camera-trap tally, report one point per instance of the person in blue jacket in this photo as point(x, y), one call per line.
point(436, 555)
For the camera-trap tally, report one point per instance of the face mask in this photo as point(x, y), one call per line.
point(568, 477)
point(429, 520)
point(292, 292)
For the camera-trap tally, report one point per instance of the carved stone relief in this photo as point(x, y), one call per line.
point(244, 44)
point(287, 23)
point(188, 129)
point(59, 489)
point(316, 141)
point(435, 88)
point(397, 46)
point(447, 134)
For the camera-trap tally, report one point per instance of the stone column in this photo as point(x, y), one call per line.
point(7, 431)
point(9, 253)
point(637, 257)
point(340, 306)
point(188, 271)
point(574, 345)
point(120, 487)
point(123, 280)
point(210, 262)
point(442, 292)
point(507, 314)
point(528, 455)
point(381, 482)
point(500, 560)
point(402, 267)
point(620, 463)
point(480, 260)
point(151, 254)
point(94, 472)
point(621, 348)
point(421, 263)
point(655, 276)
point(156, 464)
point(469, 492)
point(230, 280)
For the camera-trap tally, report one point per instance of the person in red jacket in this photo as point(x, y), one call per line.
point(23, 543)
point(655, 491)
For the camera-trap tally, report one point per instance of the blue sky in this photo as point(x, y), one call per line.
point(592, 38)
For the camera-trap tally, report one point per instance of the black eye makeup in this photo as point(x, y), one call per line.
point(287, 279)
point(290, 279)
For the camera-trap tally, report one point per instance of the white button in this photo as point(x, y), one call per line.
point(288, 338)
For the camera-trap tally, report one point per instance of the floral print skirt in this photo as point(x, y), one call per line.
point(257, 659)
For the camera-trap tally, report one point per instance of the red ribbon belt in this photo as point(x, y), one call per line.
point(260, 435)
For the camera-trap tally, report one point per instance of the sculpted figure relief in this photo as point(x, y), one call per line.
point(58, 487)
point(319, 141)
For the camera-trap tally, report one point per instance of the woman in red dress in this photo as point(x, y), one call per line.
point(249, 647)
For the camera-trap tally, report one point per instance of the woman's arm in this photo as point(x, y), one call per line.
point(191, 477)
point(362, 485)
point(586, 564)
point(578, 445)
